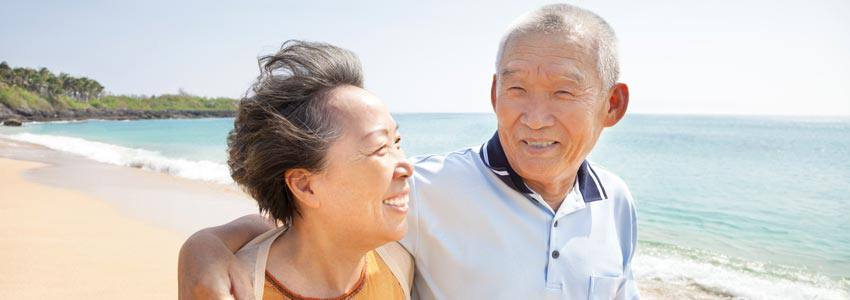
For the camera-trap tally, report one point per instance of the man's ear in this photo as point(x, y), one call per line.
point(300, 182)
point(618, 102)
point(493, 93)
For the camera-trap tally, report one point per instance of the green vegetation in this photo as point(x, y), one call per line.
point(24, 89)
point(20, 99)
point(164, 102)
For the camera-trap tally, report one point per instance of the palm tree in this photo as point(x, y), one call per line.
point(41, 81)
point(5, 72)
point(46, 84)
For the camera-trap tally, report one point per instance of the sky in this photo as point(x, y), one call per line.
point(678, 57)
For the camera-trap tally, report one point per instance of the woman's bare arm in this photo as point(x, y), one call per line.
point(207, 267)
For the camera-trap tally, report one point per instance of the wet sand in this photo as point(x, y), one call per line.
point(72, 228)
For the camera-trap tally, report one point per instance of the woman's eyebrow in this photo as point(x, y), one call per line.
point(380, 130)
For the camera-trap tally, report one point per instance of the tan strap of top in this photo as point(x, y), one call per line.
point(254, 256)
point(255, 253)
point(400, 263)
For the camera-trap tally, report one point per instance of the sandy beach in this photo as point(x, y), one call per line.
point(77, 229)
point(62, 242)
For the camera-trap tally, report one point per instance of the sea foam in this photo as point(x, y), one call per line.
point(722, 277)
point(131, 157)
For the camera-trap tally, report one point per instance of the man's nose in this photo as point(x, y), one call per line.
point(536, 115)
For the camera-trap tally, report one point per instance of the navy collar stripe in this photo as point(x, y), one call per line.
point(598, 182)
point(493, 156)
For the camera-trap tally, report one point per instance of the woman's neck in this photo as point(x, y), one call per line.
point(316, 263)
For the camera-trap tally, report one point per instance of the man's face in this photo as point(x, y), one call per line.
point(550, 104)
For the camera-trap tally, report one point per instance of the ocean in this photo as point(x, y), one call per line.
point(743, 207)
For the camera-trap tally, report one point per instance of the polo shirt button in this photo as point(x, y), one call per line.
point(556, 254)
point(556, 223)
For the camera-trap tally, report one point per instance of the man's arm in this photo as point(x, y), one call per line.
point(207, 267)
point(630, 289)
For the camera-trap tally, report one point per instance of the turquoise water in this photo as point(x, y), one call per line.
point(722, 201)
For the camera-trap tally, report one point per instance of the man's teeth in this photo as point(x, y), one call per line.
point(540, 144)
point(399, 202)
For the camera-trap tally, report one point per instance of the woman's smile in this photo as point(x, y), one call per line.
point(398, 202)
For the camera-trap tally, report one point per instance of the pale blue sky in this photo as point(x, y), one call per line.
point(703, 57)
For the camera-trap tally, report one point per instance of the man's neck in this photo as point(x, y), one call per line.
point(316, 264)
point(553, 192)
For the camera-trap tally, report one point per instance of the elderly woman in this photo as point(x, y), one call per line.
point(321, 157)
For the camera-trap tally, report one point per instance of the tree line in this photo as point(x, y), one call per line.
point(49, 85)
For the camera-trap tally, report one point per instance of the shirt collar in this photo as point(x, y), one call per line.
point(494, 158)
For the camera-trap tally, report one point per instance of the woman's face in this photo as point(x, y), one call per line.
point(363, 190)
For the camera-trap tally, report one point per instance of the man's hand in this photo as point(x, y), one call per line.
point(207, 268)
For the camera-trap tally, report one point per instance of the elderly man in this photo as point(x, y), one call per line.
point(524, 216)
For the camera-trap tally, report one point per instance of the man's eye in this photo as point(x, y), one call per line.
point(516, 89)
point(564, 93)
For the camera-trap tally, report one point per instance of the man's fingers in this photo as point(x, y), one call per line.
point(240, 282)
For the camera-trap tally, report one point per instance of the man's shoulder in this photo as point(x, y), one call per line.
point(459, 160)
point(615, 187)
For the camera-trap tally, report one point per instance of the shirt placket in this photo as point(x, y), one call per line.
point(554, 278)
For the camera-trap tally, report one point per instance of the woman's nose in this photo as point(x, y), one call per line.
point(404, 169)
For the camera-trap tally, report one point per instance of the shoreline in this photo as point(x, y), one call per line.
point(157, 198)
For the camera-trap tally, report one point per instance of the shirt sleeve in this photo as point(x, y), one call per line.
point(411, 239)
point(629, 289)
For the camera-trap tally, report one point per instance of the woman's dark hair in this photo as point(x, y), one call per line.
point(283, 122)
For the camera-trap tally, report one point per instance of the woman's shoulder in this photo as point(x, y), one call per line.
point(394, 258)
point(254, 255)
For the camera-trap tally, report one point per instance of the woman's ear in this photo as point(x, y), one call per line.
point(299, 181)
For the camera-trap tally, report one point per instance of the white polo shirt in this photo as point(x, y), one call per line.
point(476, 231)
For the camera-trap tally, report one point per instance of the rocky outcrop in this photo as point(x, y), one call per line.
point(12, 122)
point(6, 113)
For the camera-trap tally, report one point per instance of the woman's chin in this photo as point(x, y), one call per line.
point(396, 230)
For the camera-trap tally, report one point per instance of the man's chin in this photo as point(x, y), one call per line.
point(537, 169)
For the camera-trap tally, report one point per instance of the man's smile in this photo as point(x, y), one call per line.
point(535, 146)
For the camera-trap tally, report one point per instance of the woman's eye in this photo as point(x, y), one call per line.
point(385, 148)
point(381, 151)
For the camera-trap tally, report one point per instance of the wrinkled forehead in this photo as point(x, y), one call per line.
point(558, 54)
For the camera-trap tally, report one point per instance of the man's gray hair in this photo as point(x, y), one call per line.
point(572, 21)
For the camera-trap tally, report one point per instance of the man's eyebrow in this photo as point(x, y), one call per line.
point(573, 75)
point(568, 74)
point(509, 72)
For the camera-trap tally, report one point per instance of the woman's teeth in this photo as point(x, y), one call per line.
point(397, 201)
